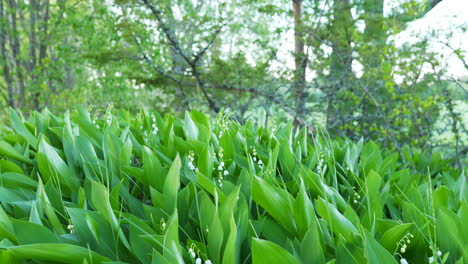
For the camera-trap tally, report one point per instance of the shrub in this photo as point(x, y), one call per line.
point(152, 189)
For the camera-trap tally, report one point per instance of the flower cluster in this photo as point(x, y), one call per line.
point(153, 125)
point(222, 171)
point(404, 242)
point(94, 118)
point(432, 259)
point(94, 123)
point(71, 228)
point(356, 196)
point(255, 158)
point(222, 125)
point(193, 254)
point(191, 158)
point(320, 163)
point(109, 114)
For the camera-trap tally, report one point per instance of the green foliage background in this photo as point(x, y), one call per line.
point(145, 188)
point(210, 55)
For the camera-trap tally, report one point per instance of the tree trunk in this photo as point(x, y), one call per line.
point(341, 75)
point(15, 46)
point(43, 44)
point(300, 59)
point(4, 59)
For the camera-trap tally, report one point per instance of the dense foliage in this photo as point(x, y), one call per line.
point(144, 188)
point(345, 65)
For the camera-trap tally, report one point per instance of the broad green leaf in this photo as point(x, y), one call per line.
point(191, 129)
point(448, 228)
point(215, 239)
point(265, 252)
point(49, 210)
point(312, 248)
point(6, 226)
point(12, 180)
point(171, 186)
point(230, 251)
point(54, 167)
point(20, 128)
point(152, 169)
point(275, 201)
point(287, 159)
point(101, 202)
point(205, 161)
point(172, 249)
point(10, 152)
point(8, 166)
point(339, 224)
point(375, 252)
point(63, 253)
point(32, 233)
point(391, 237)
point(304, 212)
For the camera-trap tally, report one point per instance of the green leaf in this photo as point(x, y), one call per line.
point(191, 129)
point(152, 169)
point(172, 249)
point(275, 201)
point(63, 253)
point(287, 159)
point(391, 237)
point(375, 252)
point(230, 254)
point(31, 233)
point(54, 167)
point(8, 166)
point(21, 129)
point(215, 239)
point(171, 186)
point(12, 180)
point(304, 212)
point(266, 252)
point(205, 161)
point(8, 151)
point(312, 248)
point(101, 202)
point(339, 224)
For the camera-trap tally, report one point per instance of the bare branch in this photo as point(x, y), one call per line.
point(210, 43)
point(157, 14)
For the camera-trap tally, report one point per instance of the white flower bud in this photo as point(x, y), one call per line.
point(226, 172)
point(431, 259)
point(198, 261)
point(208, 261)
point(439, 253)
point(403, 261)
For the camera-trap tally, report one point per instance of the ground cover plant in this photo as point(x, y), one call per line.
point(126, 188)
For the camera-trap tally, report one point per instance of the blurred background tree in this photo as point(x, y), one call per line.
point(342, 65)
